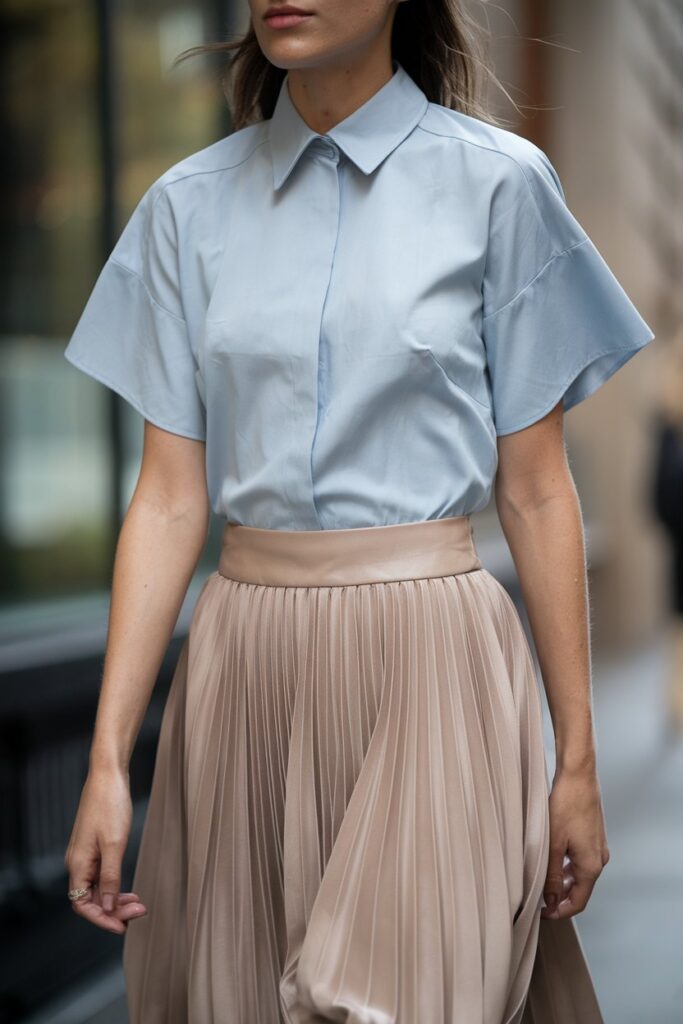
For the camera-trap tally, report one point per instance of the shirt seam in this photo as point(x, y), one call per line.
point(162, 188)
point(489, 149)
point(520, 166)
point(555, 255)
point(144, 284)
point(213, 170)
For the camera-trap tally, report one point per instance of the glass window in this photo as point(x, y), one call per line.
point(93, 113)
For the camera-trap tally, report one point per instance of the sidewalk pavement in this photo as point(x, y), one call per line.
point(632, 927)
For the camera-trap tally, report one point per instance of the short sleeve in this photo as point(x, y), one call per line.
point(556, 322)
point(132, 335)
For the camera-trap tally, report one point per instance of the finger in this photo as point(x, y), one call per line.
point(553, 890)
point(579, 895)
point(88, 906)
point(128, 911)
point(82, 873)
point(109, 880)
point(94, 913)
point(129, 897)
point(129, 905)
point(575, 896)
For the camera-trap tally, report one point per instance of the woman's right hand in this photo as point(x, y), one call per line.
point(95, 852)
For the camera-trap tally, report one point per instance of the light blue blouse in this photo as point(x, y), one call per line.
point(349, 320)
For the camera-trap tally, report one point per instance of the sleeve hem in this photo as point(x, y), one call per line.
point(622, 353)
point(102, 378)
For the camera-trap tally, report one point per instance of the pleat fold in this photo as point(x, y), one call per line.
point(348, 820)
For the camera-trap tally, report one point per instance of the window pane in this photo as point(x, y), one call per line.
point(50, 244)
point(64, 465)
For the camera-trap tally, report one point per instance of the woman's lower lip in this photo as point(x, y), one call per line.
point(286, 20)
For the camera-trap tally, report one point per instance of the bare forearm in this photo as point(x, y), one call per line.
point(546, 540)
point(156, 555)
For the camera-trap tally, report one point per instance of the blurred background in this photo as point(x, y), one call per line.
point(92, 113)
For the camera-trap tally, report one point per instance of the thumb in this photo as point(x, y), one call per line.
point(110, 875)
point(553, 890)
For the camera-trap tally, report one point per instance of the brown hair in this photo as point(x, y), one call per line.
point(438, 43)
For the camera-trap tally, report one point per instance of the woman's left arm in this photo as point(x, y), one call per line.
point(539, 511)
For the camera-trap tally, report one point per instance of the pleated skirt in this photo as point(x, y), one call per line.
point(348, 818)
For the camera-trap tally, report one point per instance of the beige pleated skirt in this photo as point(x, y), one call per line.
point(348, 819)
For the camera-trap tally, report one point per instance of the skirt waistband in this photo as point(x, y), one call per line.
point(333, 558)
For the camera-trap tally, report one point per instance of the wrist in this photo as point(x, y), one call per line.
point(581, 760)
point(108, 760)
point(575, 745)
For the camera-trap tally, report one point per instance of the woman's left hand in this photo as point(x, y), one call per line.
point(577, 831)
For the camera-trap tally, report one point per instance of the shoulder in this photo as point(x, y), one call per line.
point(207, 167)
point(183, 206)
point(189, 198)
point(504, 158)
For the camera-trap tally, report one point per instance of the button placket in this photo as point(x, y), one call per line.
point(330, 155)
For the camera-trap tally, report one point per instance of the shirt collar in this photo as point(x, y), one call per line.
point(366, 136)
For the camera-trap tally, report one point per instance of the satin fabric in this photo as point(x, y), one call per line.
point(348, 819)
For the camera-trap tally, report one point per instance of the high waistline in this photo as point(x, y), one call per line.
point(346, 557)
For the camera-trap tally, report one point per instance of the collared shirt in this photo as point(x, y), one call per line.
point(349, 320)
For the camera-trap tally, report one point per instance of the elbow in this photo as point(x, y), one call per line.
point(523, 499)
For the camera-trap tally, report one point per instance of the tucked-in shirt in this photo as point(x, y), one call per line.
point(349, 320)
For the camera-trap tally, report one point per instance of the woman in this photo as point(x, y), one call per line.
point(355, 314)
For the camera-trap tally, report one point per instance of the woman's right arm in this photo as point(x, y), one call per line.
point(160, 542)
